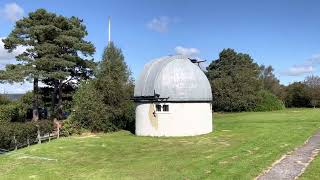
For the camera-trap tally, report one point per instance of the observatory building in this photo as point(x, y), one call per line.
point(173, 98)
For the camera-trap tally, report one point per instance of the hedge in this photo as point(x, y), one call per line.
point(9, 113)
point(22, 132)
point(268, 102)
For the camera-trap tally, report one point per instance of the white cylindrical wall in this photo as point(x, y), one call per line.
point(182, 119)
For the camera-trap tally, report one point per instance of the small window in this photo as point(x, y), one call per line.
point(158, 107)
point(165, 107)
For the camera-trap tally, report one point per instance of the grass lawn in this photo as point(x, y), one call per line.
point(313, 171)
point(242, 145)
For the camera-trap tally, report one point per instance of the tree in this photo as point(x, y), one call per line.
point(103, 104)
point(235, 82)
point(54, 54)
point(270, 82)
point(297, 95)
point(89, 110)
point(313, 84)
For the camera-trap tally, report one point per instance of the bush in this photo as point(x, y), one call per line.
point(89, 110)
point(21, 132)
point(9, 113)
point(268, 102)
point(45, 126)
point(70, 127)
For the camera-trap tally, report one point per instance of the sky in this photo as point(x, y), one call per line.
point(281, 33)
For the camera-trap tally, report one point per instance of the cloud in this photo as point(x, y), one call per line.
point(298, 70)
point(12, 12)
point(186, 51)
point(161, 24)
point(6, 57)
point(314, 60)
point(307, 67)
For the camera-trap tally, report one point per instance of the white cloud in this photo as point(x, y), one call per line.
point(314, 60)
point(298, 70)
point(186, 51)
point(307, 67)
point(161, 24)
point(15, 88)
point(12, 12)
point(6, 57)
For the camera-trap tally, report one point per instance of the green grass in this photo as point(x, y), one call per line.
point(242, 145)
point(313, 170)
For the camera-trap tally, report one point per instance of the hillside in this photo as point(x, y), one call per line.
point(12, 97)
point(242, 146)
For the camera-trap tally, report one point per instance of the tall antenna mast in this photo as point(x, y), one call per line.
point(109, 26)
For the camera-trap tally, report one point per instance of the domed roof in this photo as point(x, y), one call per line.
point(175, 78)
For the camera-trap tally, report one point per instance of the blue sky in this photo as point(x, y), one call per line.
point(282, 33)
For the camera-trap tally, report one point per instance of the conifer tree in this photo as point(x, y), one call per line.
point(115, 84)
point(54, 54)
point(103, 104)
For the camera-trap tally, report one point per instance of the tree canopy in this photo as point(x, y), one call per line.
point(104, 104)
point(235, 82)
point(313, 84)
point(56, 53)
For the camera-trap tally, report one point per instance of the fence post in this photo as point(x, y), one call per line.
point(28, 141)
point(49, 137)
point(39, 137)
point(58, 131)
point(15, 143)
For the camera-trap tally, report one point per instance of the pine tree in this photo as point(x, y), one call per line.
point(55, 47)
point(103, 104)
point(115, 84)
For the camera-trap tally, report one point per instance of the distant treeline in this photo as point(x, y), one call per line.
point(240, 84)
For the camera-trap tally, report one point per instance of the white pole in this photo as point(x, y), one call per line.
point(109, 26)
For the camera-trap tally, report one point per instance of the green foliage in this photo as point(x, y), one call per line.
point(21, 132)
point(45, 126)
point(9, 113)
point(297, 95)
point(268, 102)
point(70, 127)
point(4, 100)
point(89, 110)
point(235, 82)
point(313, 88)
point(103, 104)
point(56, 54)
point(270, 82)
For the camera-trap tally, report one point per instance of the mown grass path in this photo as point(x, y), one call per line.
point(241, 147)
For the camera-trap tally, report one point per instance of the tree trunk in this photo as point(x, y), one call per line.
point(35, 105)
point(59, 106)
point(54, 99)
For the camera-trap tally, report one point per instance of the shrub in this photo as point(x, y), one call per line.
point(268, 102)
point(45, 126)
point(9, 113)
point(70, 127)
point(89, 110)
point(21, 132)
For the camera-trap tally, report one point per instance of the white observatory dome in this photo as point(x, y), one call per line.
point(173, 98)
point(175, 78)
